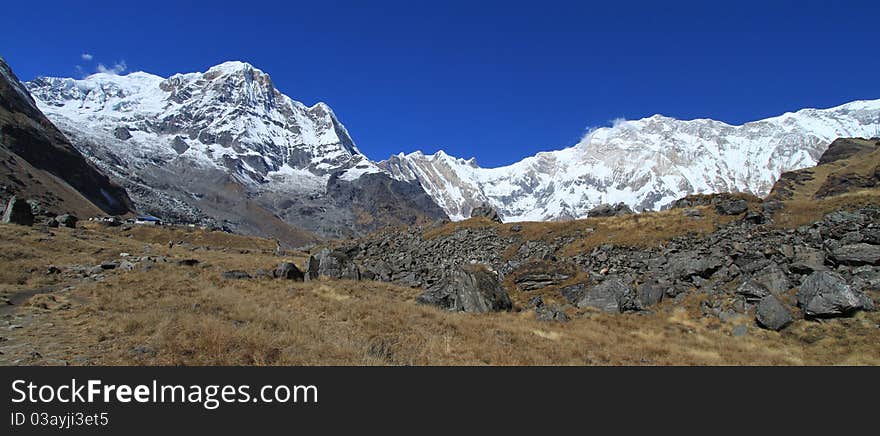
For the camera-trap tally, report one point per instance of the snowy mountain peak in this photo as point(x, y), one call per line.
point(230, 116)
point(645, 163)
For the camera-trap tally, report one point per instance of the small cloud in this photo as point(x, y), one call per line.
point(86, 56)
point(116, 68)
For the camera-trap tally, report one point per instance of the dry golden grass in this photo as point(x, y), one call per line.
point(174, 315)
point(806, 211)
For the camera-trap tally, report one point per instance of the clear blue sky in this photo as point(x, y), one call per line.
point(495, 80)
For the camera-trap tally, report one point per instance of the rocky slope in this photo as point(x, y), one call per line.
point(226, 147)
point(728, 251)
point(38, 163)
point(645, 164)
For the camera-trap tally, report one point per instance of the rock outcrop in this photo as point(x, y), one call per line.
point(472, 288)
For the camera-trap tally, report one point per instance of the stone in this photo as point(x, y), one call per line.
point(650, 293)
point(235, 275)
point(486, 211)
point(688, 264)
point(612, 295)
point(773, 279)
point(754, 218)
point(740, 331)
point(473, 288)
point(122, 133)
point(857, 254)
point(731, 207)
point(752, 291)
point(52, 223)
point(807, 260)
point(826, 294)
point(67, 220)
point(19, 212)
point(534, 281)
point(188, 262)
point(547, 313)
point(334, 264)
point(772, 314)
point(288, 271)
point(609, 210)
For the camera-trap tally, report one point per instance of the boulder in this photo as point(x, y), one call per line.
point(534, 281)
point(689, 264)
point(752, 291)
point(857, 254)
point(335, 264)
point(826, 294)
point(122, 133)
point(550, 313)
point(731, 206)
point(288, 271)
point(650, 293)
point(486, 211)
point(772, 314)
point(612, 295)
point(52, 223)
point(607, 210)
point(773, 279)
point(67, 220)
point(807, 260)
point(19, 212)
point(472, 288)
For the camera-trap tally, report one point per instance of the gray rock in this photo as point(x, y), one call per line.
point(188, 262)
point(773, 279)
point(650, 293)
point(857, 254)
point(67, 220)
point(740, 331)
point(235, 275)
point(612, 295)
point(334, 264)
point(772, 314)
point(826, 294)
point(534, 281)
point(752, 291)
point(486, 211)
point(608, 210)
point(122, 133)
point(688, 264)
point(468, 289)
point(807, 260)
point(574, 293)
point(288, 271)
point(731, 207)
point(547, 313)
point(52, 223)
point(19, 212)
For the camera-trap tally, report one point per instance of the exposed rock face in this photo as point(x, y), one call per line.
point(288, 271)
point(225, 148)
point(857, 254)
point(334, 264)
point(825, 294)
point(18, 211)
point(40, 163)
point(67, 220)
point(606, 210)
point(235, 275)
point(772, 314)
point(468, 289)
point(486, 211)
point(848, 165)
point(612, 295)
point(732, 207)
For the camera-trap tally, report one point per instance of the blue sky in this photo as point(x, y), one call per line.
point(495, 80)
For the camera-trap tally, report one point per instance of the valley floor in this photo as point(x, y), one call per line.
point(146, 307)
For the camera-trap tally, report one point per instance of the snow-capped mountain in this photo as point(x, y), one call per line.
point(646, 164)
point(224, 146)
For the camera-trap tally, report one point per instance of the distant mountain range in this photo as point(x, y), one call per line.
point(226, 147)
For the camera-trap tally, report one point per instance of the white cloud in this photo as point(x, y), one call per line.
point(86, 56)
point(116, 68)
